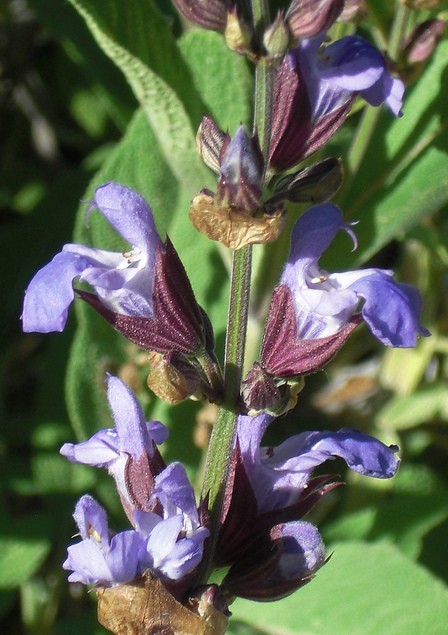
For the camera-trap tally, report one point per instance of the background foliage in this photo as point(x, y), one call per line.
point(93, 91)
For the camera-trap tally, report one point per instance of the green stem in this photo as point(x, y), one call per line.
point(398, 31)
point(222, 440)
point(264, 88)
point(260, 12)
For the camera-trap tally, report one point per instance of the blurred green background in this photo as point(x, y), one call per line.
point(114, 90)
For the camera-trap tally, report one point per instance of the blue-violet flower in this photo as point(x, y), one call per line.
point(314, 91)
point(101, 558)
point(144, 292)
point(128, 451)
point(270, 550)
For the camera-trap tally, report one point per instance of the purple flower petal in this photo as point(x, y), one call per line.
point(345, 68)
point(326, 302)
point(303, 550)
point(133, 431)
point(100, 558)
point(123, 281)
point(173, 490)
point(99, 451)
point(50, 293)
point(170, 555)
point(391, 310)
point(89, 514)
point(127, 451)
point(129, 213)
point(279, 475)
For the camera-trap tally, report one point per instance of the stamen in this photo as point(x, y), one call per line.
point(319, 279)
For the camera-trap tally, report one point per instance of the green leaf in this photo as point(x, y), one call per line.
point(108, 84)
point(21, 552)
point(368, 589)
point(222, 78)
point(414, 505)
point(137, 39)
point(404, 175)
point(425, 405)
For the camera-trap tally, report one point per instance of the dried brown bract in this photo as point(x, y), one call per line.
point(231, 226)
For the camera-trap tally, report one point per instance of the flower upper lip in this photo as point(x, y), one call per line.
point(325, 302)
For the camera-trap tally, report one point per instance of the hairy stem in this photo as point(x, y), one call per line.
point(220, 449)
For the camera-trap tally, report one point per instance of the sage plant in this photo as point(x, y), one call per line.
point(251, 517)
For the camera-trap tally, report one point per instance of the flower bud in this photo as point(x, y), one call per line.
point(276, 38)
point(209, 142)
point(423, 41)
point(354, 11)
point(316, 183)
point(237, 35)
point(307, 18)
point(262, 392)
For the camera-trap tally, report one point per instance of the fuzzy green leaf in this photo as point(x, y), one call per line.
point(368, 589)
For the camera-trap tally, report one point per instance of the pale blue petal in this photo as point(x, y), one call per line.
point(50, 293)
point(303, 551)
point(173, 490)
point(99, 451)
point(89, 515)
point(129, 213)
